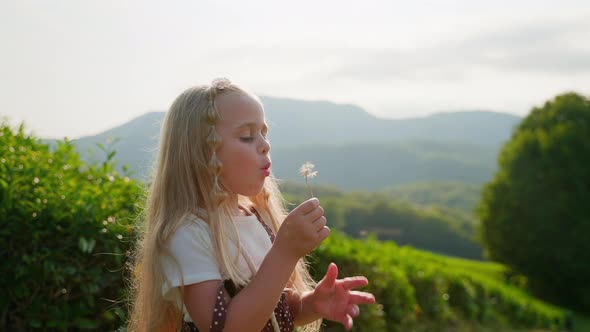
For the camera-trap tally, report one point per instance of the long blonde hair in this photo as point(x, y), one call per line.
point(184, 182)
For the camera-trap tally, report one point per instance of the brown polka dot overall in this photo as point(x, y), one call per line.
point(282, 311)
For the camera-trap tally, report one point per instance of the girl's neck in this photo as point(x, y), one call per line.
point(235, 207)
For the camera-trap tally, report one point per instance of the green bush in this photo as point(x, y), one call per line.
point(65, 229)
point(420, 291)
point(534, 213)
point(395, 302)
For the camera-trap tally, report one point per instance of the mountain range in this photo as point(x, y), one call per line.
point(351, 148)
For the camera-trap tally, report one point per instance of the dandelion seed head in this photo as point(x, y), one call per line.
point(307, 171)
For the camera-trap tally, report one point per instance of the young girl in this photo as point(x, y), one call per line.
point(218, 251)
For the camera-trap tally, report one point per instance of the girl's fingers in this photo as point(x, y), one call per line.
point(323, 233)
point(354, 282)
point(320, 223)
point(329, 279)
point(307, 206)
point(353, 310)
point(361, 297)
point(347, 321)
point(315, 213)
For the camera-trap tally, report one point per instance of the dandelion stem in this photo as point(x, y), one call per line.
point(308, 187)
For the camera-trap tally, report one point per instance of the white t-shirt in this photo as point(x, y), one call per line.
point(191, 247)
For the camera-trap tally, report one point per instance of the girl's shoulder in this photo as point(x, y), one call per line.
point(192, 231)
point(192, 221)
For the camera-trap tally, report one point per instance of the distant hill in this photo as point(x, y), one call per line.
point(457, 195)
point(373, 166)
point(298, 122)
point(351, 148)
point(429, 224)
point(135, 142)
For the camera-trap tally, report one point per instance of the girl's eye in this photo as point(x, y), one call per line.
point(247, 139)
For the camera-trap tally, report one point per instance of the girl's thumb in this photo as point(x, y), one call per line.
point(331, 274)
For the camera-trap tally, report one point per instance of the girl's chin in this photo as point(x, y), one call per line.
point(252, 191)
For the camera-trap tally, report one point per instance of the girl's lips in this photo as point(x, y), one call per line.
point(266, 169)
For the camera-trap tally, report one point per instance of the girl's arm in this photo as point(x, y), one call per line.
point(250, 309)
point(303, 229)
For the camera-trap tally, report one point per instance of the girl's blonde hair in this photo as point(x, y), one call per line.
point(184, 183)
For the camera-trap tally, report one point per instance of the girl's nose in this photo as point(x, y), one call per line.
point(264, 146)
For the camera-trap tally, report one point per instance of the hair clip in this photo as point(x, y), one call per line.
point(221, 83)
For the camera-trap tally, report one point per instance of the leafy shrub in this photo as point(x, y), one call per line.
point(422, 291)
point(64, 229)
point(534, 213)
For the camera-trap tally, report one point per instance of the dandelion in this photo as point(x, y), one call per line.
point(307, 172)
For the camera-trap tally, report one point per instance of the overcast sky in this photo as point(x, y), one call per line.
point(74, 67)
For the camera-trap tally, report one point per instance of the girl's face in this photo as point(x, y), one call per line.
point(244, 148)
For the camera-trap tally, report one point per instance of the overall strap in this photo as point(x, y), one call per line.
point(266, 227)
point(273, 318)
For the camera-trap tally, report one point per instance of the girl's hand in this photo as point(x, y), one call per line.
point(302, 230)
point(334, 300)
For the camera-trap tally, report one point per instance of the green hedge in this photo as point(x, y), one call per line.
point(419, 291)
point(64, 229)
